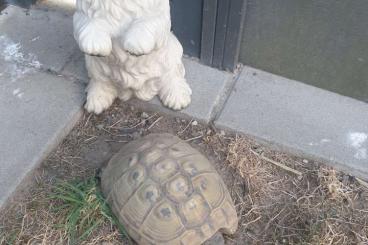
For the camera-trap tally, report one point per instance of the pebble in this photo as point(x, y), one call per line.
point(194, 123)
point(305, 161)
point(145, 115)
point(100, 126)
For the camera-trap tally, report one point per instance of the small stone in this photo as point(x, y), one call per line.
point(258, 149)
point(100, 126)
point(145, 115)
point(209, 132)
point(345, 179)
point(127, 130)
point(136, 135)
point(305, 161)
point(194, 123)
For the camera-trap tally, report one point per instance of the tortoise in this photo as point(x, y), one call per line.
point(163, 191)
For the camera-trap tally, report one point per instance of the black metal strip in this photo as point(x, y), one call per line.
point(234, 33)
point(208, 31)
point(223, 7)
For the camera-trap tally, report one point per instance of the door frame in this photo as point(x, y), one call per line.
point(222, 26)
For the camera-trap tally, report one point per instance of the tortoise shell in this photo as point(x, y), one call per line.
point(165, 192)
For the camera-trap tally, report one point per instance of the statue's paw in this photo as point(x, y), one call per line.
point(99, 99)
point(177, 96)
point(138, 41)
point(126, 94)
point(95, 42)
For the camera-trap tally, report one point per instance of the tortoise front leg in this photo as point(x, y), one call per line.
point(217, 239)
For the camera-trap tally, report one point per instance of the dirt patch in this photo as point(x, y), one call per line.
point(280, 199)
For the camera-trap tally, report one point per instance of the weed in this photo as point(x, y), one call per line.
point(82, 208)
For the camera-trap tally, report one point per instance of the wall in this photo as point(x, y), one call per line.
point(320, 42)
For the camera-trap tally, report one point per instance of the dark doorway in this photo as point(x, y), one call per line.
point(21, 3)
point(186, 18)
point(321, 42)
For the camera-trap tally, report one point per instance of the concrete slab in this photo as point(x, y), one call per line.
point(300, 118)
point(42, 36)
point(210, 88)
point(76, 67)
point(37, 110)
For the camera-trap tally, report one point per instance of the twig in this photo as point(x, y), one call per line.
point(251, 222)
point(89, 117)
point(194, 138)
point(362, 182)
point(66, 161)
point(89, 139)
point(117, 141)
point(142, 122)
point(272, 220)
point(186, 127)
point(114, 124)
point(117, 135)
point(154, 123)
point(283, 166)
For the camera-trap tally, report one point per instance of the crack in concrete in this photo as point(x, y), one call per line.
point(222, 99)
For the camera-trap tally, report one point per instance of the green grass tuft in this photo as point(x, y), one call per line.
point(83, 209)
point(8, 239)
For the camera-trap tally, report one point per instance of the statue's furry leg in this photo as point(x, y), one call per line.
point(175, 92)
point(149, 90)
point(101, 92)
point(125, 94)
point(100, 96)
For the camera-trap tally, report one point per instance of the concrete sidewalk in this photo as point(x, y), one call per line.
point(300, 119)
point(38, 107)
point(42, 78)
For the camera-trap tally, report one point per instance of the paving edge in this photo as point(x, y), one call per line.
point(50, 146)
point(210, 86)
point(299, 119)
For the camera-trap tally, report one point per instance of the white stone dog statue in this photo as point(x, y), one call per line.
point(130, 51)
